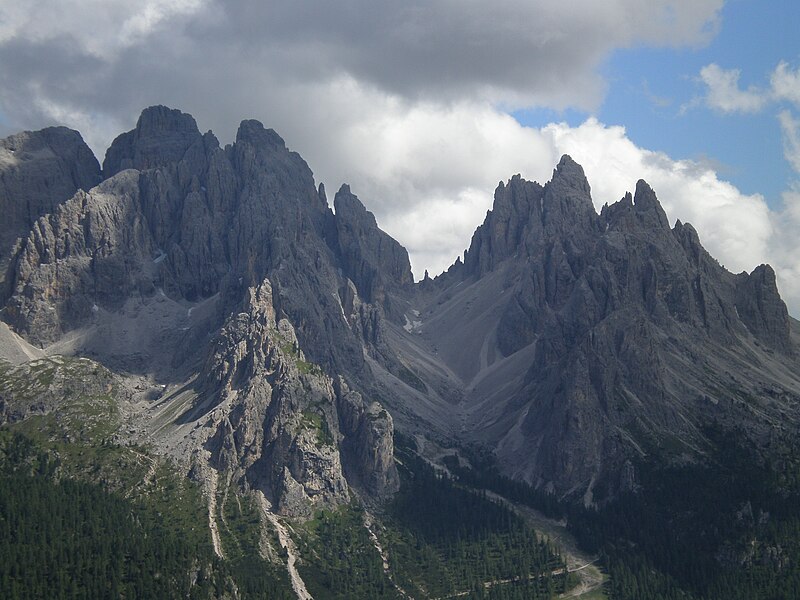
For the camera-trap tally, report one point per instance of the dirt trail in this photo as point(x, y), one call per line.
point(298, 585)
point(368, 520)
point(212, 511)
point(590, 577)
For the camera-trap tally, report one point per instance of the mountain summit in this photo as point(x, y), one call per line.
point(575, 345)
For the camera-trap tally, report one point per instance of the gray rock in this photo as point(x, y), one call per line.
point(277, 416)
point(162, 136)
point(636, 337)
point(198, 220)
point(182, 219)
point(90, 251)
point(39, 170)
point(374, 261)
point(369, 431)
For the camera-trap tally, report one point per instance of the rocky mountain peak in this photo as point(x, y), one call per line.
point(517, 206)
point(525, 214)
point(157, 120)
point(38, 171)
point(642, 213)
point(648, 206)
point(569, 174)
point(254, 132)
point(567, 204)
point(162, 136)
point(760, 307)
point(373, 260)
point(619, 319)
point(350, 208)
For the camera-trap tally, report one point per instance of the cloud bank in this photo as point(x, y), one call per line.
point(405, 101)
point(222, 60)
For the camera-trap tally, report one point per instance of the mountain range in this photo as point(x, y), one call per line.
point(256, 336)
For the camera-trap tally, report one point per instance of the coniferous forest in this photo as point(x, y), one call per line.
point(64, 538)
point(78, 519)
point(726, 530)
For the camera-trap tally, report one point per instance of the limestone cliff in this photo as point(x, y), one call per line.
point(616, 336)
point(243, 234)
point(277, 418)
point(38, 171)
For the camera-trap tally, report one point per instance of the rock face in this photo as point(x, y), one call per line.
point(276, 417)
point(374, 261)
point(204, 220)
point(242, 234)
point(38, 171)
point(162, 136)
point(615, 337)
point(92, 250)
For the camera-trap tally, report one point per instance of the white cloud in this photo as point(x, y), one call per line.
point(786, 83)
point(110, 55)
point(790, 126)
point(723, 92)
point(96, 128)
point(735, 228)
point(428, 172)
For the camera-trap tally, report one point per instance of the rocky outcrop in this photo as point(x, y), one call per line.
point(368, 428)
point(501, 234)
point(525, 213)
point(39, 170)
point(374, 261)
point(761, 309)
point(89, 252)
point(280, 421)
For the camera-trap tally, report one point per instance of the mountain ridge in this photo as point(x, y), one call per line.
point(147, 270)
point(570, 343)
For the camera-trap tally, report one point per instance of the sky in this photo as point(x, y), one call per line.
point(423, 107)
